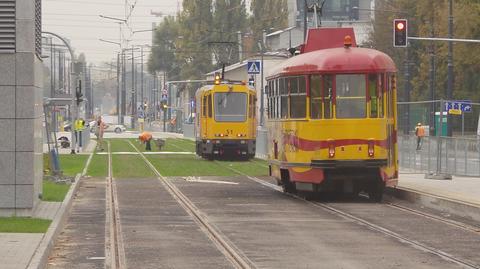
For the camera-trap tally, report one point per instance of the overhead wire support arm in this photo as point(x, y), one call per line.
point(444, 39)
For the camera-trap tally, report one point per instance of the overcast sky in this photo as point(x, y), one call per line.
point(79, 21)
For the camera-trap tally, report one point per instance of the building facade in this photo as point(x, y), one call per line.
point(21, 91)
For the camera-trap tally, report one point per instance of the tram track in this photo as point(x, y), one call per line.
point(115, 250)
point(378, 228)
point(235, 256)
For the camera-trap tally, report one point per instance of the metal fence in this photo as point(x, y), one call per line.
point(440, 155)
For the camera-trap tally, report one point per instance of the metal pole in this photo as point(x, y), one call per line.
point(239, 46)
point(141, 84)
point(118, 89)
point(432, 74)
point(407, 91)
point(450, 74)
point(305, 10)
point(133, 92)
point(261, 88)
point(124, 89)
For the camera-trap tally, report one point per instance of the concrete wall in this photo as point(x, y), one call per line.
point(21, 161)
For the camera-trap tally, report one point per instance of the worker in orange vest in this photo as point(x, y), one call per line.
point(146, 138)
point(420, 133)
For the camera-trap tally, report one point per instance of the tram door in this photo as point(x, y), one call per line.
point(390, 119)
point(203, 123)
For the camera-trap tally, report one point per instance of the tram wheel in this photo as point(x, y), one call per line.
point(287, 185)
point(375, 193)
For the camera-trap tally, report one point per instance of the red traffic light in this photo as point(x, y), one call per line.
point(400, 33)
point(400, 25)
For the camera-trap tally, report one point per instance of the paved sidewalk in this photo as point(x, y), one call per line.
point(17, 249)
point(463, 189)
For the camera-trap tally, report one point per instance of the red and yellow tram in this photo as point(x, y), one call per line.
point(332, 121)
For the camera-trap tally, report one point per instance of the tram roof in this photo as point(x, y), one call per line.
point(336, 60)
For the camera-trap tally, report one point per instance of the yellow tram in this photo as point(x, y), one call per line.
point(225, 120)
point(332, 121)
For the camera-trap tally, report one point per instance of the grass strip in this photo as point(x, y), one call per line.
point(181, 165)
point(53, 192)
point(23, 225)
point(72, 164)
point(130, 166)
point(119, 145)
point(98, 166)
point(249, 168)
point(171, 145)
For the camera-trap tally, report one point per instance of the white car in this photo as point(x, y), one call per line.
point(117, 128)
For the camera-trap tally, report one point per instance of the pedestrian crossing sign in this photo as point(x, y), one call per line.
point(253, 67)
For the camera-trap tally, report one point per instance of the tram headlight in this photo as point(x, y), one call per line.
point(371, 149)
point(331, 150)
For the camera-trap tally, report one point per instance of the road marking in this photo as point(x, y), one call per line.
point(199, 180)
point(149, 153)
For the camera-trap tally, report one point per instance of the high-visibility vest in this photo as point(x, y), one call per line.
point(419, 131)
point(79, 125)
point(145, 136)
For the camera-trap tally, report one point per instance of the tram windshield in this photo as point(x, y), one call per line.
point(351, 100)
point(230, 107)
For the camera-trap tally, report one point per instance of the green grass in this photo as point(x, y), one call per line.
point(23, 225)
point(53, 192)
point(98, 166)
point(70, 164)
point(251, 168)
point(181, 165)
point(120, 145)
point(171, 145)
point(130, 166)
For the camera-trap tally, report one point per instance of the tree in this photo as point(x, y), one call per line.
point(266, 16)
point(230, 17)
point(163, 49)
point(195, 22)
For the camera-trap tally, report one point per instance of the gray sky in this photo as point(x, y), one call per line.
point(79, 21)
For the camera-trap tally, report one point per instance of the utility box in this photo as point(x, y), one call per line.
point(444, 124)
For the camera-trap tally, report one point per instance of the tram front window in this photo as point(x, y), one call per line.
point(230, 107)
point(351, 96)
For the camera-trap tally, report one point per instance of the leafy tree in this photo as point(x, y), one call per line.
point(266, 16)
point(192, 49)
point(163, 49)
point(230, 17)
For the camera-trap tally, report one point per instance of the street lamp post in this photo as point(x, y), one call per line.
point(450, 74)
point(74, 79)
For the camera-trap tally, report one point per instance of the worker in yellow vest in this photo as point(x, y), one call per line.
point(79, 126)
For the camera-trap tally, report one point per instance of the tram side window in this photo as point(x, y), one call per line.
point(316, 99)
point(276, 101)
point(350, 96)
point(204, 106)
point(298, 97)
point(373, 94)
point(283, 98)
point(328, 96)
point(390, 83)
point(269, 99)
point(381, 87)
point(209, 104)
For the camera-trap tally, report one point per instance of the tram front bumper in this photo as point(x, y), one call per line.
point(231, 146)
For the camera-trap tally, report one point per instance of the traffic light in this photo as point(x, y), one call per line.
point(400, 33)
point(78, 93)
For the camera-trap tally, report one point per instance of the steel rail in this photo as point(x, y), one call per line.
point(221, 242)
point(453, 223)
point(400, 238)
point(116, 248)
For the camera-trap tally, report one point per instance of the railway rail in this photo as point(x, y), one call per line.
point(115, 250)
point(238, 259)
point(383, 230)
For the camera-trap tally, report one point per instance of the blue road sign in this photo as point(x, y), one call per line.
point(253, 67)
point(463, 105)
